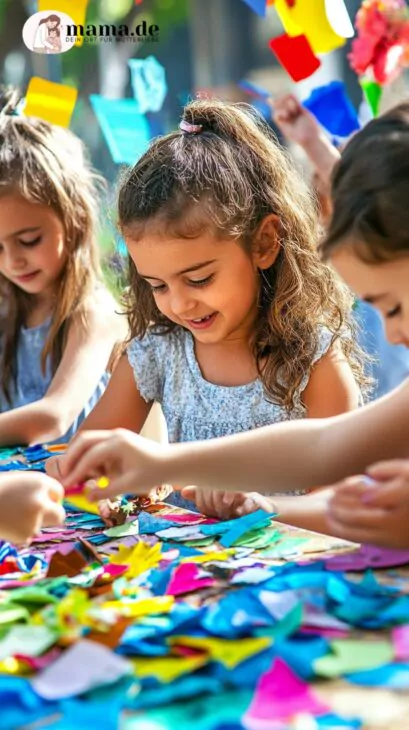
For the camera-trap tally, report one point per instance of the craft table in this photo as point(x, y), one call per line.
point(247, 624)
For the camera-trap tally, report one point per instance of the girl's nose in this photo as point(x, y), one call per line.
point(182, 303)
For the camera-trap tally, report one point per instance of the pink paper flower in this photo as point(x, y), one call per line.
point(381, 47)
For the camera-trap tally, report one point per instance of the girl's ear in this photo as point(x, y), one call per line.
point(266, 242)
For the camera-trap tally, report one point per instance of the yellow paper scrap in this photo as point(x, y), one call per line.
point(167, 669)
point(81, 502)
point(209, 557)
point(227, 652)
point(309, 18)
point(140, 558)
point(75, 10)
point(142, 607)
point(50, 101)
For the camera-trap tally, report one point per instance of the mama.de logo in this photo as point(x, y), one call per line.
point(45, 32)
point(55, 32)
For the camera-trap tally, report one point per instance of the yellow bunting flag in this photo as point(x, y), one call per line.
point(50, 101)
point(75, 9)
point(227, 652)
point(309, 18)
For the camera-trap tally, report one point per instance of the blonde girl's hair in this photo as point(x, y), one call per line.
point(225, 180)
point(46, 164)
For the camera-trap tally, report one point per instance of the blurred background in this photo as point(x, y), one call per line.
point(205, 46)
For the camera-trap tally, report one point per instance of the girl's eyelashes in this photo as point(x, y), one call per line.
point(202, 282)
point(32, 242)
point(393, 312)
point(191, 282)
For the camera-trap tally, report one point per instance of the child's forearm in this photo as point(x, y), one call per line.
point(323, 156)
point(292, 455)
point(34, 423)
point(308, 512)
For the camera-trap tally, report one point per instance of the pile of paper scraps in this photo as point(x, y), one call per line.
point(174, 620)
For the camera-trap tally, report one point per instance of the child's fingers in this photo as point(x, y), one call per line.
point(52, 467)
point(95, 459)
point(53, 514)
point(358, 517)
point(389, 469)
point(125, 484)
point(390, 494)
point(189, 493)
point(354, 534)
point(75, 457)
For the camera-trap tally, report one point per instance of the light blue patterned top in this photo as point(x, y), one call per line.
point(32, 384)
point(166, 371)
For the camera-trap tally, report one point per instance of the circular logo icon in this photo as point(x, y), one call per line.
point(49, 32)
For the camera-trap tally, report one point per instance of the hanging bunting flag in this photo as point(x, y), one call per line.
point(296, 56)
point(50, 101)
point(309, 17)
point(149, 85)
point(373, 94)
point(75, 10)
point(126, 131)
point(333, 109)
point(259, 6)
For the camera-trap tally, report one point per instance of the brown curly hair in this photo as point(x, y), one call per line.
point(226, 180)
point(46, 164)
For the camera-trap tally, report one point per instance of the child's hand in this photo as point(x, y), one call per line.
point(52, 467)
point(296, 123)
point(376, 513)
point(28, 502)
point(226, 505)
point(130, 462)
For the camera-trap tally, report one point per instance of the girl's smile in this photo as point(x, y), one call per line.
point(204, 284)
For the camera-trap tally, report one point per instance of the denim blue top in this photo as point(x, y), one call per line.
point(32, 384)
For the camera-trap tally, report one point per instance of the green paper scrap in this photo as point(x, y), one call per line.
point(202, 542)
point(352, 655)
point(288, 546)
point(373, 94)
point(198, 713)
point(258, 539)
point(11, 612)
point(33, 594)
point(125, 530)
point(6, 452)
point(27, 640)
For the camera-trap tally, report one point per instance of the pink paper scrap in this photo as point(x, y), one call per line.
point(186, 578)
point(400, 640)
point(281, 695)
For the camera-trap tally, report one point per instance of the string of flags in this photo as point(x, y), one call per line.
point(312, 28)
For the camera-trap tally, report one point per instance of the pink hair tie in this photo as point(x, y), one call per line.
point(190, 128)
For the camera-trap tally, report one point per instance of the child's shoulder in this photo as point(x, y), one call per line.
point(160, 343)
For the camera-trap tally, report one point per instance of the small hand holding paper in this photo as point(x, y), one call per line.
point(373, 510)
point(129, 461)
point(28, 502)
point(227, 505)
